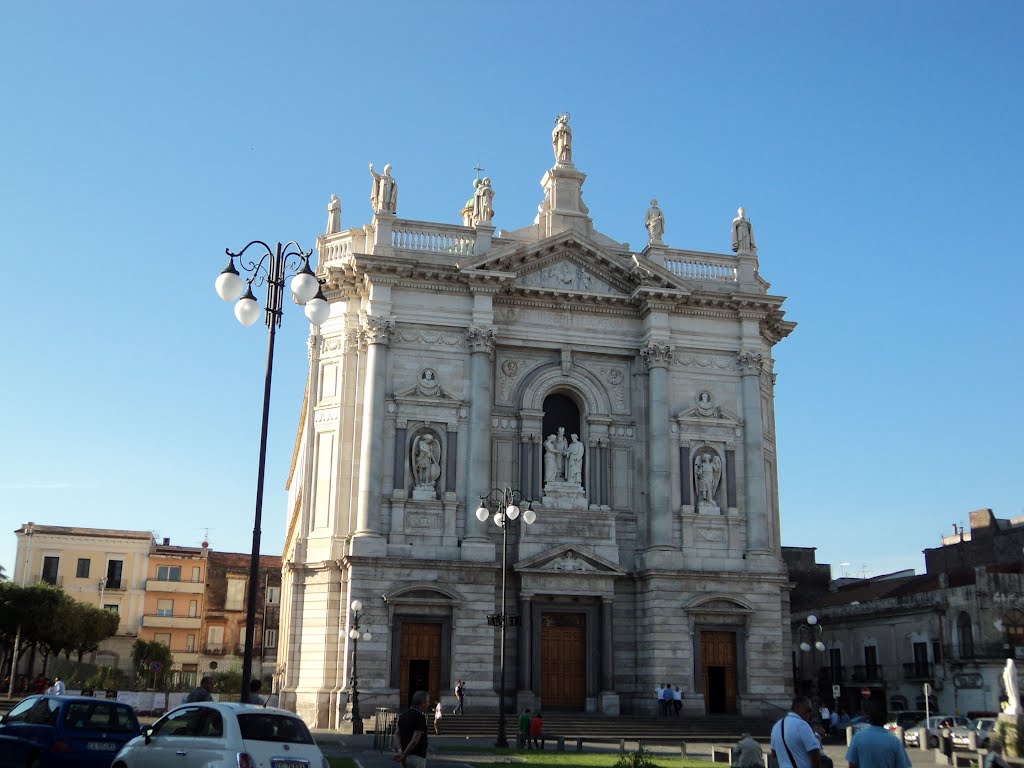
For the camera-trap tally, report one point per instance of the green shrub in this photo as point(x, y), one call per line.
point(639, 759)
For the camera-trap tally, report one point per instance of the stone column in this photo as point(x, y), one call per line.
point(607, 648)
point(537, 458)
point(523, 639)
point(657, 358)
point(377, 332)
point(755, 500)
point(525, 477)
point(481, 344)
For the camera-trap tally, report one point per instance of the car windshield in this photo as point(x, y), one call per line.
point(103, 715)
point(268, 726)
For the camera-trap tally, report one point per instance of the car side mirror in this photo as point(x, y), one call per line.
point(147, 732)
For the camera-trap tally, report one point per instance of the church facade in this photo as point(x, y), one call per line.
point(625, 398)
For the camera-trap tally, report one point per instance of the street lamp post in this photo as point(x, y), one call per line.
point(270, 270)
point(508, 510)
point(353, 678)
point(810, 639)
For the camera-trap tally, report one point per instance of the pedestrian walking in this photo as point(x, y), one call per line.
point(460, 697)
point(412, 733)
point(202, 692)
point(875, 747)
point(437, 718)
point(794, 744)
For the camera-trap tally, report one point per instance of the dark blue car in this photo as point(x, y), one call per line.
point(65, 732)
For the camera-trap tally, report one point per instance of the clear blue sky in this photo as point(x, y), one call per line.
point(875, 145)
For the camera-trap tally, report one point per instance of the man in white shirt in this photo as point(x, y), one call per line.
point(57, 689)
point(792, 736)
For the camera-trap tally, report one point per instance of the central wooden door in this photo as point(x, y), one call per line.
point(420, 661)
point(718, 663)
point(563, 666)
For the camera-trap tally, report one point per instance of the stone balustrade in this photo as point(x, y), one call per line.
point(702, 266)
point(429, 237)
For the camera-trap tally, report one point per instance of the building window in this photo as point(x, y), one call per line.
point(215, 639)
point(168, 573)
point(164, 607)
point(163, 639)
point(50, 568)
point(111, 607)
point(190, 643)
point(871, 670)
point(82, 572)
point(197, 573)
point(1013, 623)
point(115, 568)
point(193, 608)
point(235, 596)
point(966, 634)
point(273, 595)
point(270, 638)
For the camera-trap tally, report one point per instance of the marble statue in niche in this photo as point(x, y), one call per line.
point(574, 460)
point(707, 475)
point(426, 466)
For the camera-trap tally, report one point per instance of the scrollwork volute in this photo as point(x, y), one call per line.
point(656, 355)
point(750, 363)
point(480, 339)
point(377, 330)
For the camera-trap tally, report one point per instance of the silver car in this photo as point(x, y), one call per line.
point(219, 735)
point(982, 728)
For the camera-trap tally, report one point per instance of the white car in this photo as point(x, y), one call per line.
point(911, 737)
point(221, 735)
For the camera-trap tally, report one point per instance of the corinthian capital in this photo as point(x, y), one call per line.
point(377, 330)
point(480, 339)
point(656, 355)
point(750, 363)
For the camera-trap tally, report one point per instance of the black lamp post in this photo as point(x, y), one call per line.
point(810, 639)
point(353, 678)
point(508, 511)
point(270, 270)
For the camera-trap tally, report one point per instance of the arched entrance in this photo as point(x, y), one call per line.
point(561, 411)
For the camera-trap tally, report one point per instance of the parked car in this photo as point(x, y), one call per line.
point(908, 718)
point(48, 731)
point(982, 728)
point(934, 726)
point(224, 735)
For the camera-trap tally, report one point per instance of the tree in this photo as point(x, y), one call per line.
point(144, 654)
point(29, 610)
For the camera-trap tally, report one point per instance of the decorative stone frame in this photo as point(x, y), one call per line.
point(720, 612)
point(421, 603)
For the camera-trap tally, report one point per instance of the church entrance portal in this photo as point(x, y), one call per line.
point(561, 411)
point(563, 653)
point(718, 660)
point(420, 661)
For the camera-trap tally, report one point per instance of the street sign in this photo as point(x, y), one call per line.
point(865, 692)
point(156, 666)
point(836, 692)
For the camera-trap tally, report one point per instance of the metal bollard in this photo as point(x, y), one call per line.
point(682, 749)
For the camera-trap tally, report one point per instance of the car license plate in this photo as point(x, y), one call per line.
point(288, 764)
point(101, 746)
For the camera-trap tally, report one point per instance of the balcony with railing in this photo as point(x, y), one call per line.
point(215, 649)
point(175, 586)
point(918, 671)
point(867, 673)
point(161, 620)
point(833, 675)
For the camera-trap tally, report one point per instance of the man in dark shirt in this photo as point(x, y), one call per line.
point(412, 733)
point(202, 693)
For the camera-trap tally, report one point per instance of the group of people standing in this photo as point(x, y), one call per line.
point(670, 700)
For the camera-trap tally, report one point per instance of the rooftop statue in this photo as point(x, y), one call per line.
point(742, 233)
point(655, 223)
point(561, 139)
point(334, 215)
point(483, 202)
point(384, 193)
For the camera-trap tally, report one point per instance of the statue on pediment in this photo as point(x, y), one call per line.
point(561, 140)
point(742, 233)
point(655, 223)
point(384, 192)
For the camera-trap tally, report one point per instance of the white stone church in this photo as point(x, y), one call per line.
point(627, 396)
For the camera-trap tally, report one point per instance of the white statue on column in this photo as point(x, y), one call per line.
point(334, 215)
point(561, 140)
point(1010, 684)
point(483, 202)
point(384, 193)
point(742, 233)
point(655, 222)
point(574, 460)
point(707, 474)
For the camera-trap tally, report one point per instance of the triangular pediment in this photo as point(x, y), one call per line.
point(571, 263)
point(569, 558)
